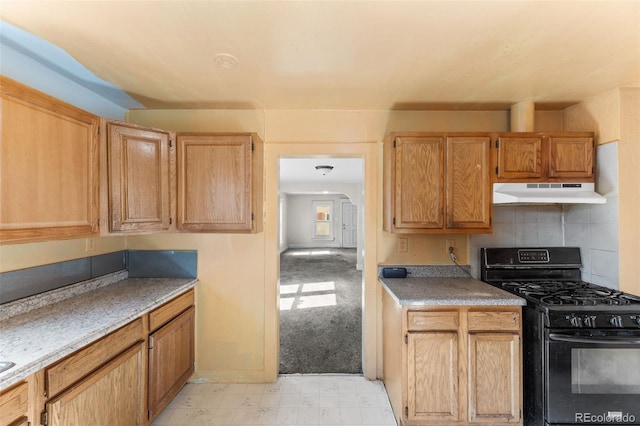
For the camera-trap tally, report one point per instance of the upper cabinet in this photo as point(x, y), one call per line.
point(468, 183)
point(437, 183)
point(571, 157)
point(219, 182)
point(139, 178)
point(548, 157)
point(49, 171)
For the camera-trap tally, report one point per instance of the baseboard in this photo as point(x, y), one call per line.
point(313, 246)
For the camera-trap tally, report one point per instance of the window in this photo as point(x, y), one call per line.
point(323, 220)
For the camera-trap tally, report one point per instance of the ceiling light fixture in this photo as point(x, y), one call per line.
point(324, 170)
point(225, 60)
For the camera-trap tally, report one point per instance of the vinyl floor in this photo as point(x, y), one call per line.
point(345, 400)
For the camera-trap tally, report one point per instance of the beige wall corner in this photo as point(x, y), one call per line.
point(20, 256)
point(629, 182)
point(600, 114)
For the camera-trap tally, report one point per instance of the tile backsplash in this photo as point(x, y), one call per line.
point(593, 228)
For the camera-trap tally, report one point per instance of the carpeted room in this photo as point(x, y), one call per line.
point(320, 311)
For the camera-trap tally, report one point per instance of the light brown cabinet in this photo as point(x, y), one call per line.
point(109, 396)
point(49, 172)
point(452, 365)
point(140, 187)
point(468, 183)
point(432, 377)
point(171, 351)
point(219, 182)
point(14, 405)
point(100, 384)
point(437, 183)
point(544, 157)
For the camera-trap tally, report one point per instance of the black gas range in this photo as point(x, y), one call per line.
point(581, 341)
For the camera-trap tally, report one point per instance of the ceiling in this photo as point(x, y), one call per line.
point(346, 54)
point(303, 170)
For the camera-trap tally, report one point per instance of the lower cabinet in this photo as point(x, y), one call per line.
point(14, 405)
point(110, 396)
point(101, 384)
point(453, 365)
point(494, 377)
point(432, 376)
point(171, 360)
point(171, 351)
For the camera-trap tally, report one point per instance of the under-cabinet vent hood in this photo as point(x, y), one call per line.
point(546, 193)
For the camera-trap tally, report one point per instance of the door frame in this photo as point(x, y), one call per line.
point(371, 344)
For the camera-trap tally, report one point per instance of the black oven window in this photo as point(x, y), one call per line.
point(605, 371)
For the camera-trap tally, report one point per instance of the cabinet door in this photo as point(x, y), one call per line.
point(139, 190)
point(214, 183)
point(111, 396)
point(14, 404)
point(468, 183)
point(419, 182)
point(432, 377)
point(49, 172)
point(171, 360)
point(494, 378)
point(571, 157)
point(519, 158)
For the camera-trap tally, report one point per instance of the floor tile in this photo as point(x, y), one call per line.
point(327, 400)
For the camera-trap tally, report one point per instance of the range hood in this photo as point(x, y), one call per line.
point(546, 193)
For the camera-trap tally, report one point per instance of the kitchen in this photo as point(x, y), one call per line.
point(246, 351)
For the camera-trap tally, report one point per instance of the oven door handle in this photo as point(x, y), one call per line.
point(630, 340)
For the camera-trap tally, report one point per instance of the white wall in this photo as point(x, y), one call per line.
point(354, 191)
point(282, 228)
point(300, 223)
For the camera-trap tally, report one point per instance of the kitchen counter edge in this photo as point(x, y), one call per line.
point(447, 291)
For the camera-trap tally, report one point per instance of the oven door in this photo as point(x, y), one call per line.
point(593, 377)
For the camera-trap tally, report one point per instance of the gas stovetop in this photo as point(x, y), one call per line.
point(572, 293)
point(549, 278)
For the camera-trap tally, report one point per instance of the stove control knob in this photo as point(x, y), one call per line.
point(590, 321)
point(574, 320)
point(616, 321)
point(636, 318)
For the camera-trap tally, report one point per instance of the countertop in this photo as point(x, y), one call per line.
point(46, 334)
point(447, 291)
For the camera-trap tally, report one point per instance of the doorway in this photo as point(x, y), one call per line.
point(320, 286)
point(366, 250)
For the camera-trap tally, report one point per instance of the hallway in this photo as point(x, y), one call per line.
point(320, 311)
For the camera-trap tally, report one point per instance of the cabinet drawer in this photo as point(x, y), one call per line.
point(71, 369)
point(169, 310)
point(494, 320)
point(13, 404)
point(445, 320)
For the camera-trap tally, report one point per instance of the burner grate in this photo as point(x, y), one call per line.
point(578, 293)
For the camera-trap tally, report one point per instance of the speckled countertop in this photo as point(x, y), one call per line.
point(444, 286)
point(41, 336)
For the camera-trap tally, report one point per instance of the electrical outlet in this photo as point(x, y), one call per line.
point(450, 243)
point(90, 245)
point(403, 245)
